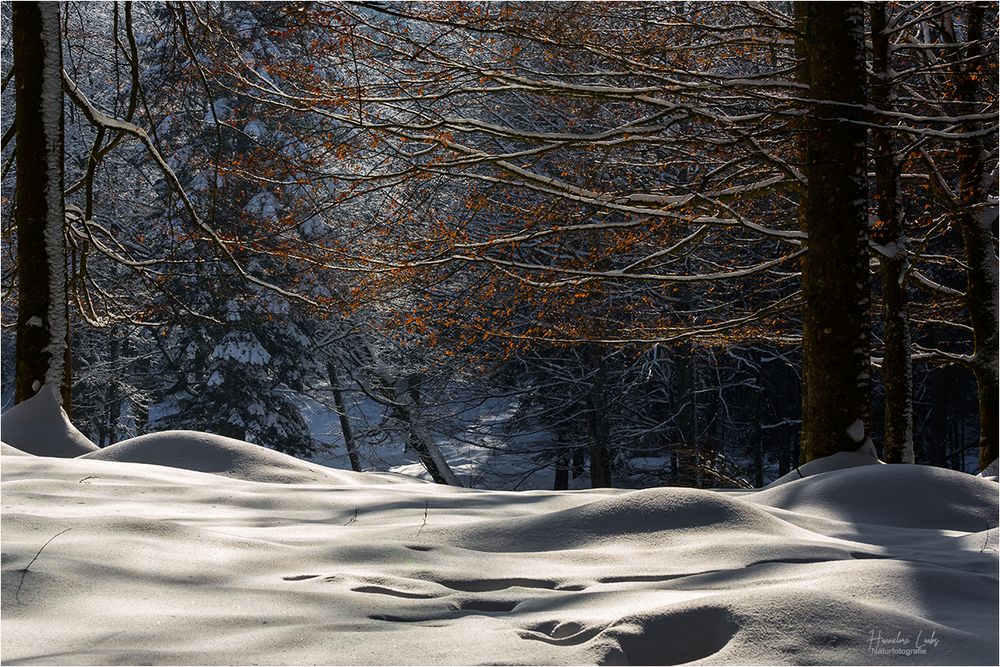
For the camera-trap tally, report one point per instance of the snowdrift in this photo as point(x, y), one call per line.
point(212, 562)
point(40, 426)
point(11, 451)
point(864, 456)
point(205, 452)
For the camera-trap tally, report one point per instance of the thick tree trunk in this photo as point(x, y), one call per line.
point(835, 336)
point(42, 355)
point(897, 364)
point(975, 219)
point(345, 422)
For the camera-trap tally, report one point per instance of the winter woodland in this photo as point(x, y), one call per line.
point(582, 329)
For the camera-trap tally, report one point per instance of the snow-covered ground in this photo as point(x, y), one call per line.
point(195, 549)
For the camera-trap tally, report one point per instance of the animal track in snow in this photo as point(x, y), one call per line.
point(485, 585)
point(382, 590)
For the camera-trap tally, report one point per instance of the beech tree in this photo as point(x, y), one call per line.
point(889, 239)
point(976, 219)
point(43, 353)
point(598, 211)
point(834, 214)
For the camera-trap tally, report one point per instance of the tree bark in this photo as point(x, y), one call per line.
point(975, 220)
point(42, 355)
point(897, 364)
point(833, 213)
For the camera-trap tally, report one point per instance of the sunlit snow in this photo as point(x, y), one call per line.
point(185, 547)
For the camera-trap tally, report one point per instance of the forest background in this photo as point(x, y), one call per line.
point(602, 243)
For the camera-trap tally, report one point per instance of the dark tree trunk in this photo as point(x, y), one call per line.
point(688, 464)
point(835, 319)
point(756, 427)
point(579, 461)
point(897, 365)
point(42, 355)
point(782, 406)
point(598, 425)
point(561, 480)
point(115, 393)
point(936, 432)
point(975, 221)
point(345, 423)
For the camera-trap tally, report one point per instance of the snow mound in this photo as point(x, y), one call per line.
point(838, 461)
point(206, 452)
point(991, 471)
point(650, 516)
point(7, 450)
point(911, 496)
point(149, 564)
point(41, 427)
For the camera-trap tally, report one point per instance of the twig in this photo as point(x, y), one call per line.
point(986, 542)
point(86, 478)
point(24, 572)
point(426, 506)
point(353, 518)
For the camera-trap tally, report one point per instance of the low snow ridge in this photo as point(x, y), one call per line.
point(206, 452)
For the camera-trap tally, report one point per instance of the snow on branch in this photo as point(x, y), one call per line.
point(100, 119)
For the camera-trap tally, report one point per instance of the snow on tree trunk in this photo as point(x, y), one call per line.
point(835, 337)
point(976, 217)
point(406, 407)
point(897, 364)
point(42, 355)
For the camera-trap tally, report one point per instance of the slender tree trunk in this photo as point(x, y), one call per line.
point(689, 465)
point(940, 388)
point(420, 441)
point(835, 336)
point(579, 461)
point(897, 365)
point(561, 479)
point(975, 219)
point(345, 422)
point(597, 423)
point(115, 390)
point(756, 427)
point(42, 355)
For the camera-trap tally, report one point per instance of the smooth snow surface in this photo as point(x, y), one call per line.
point(150, 564)
point(205, 452)
point(40, 426)
point(11, 451)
